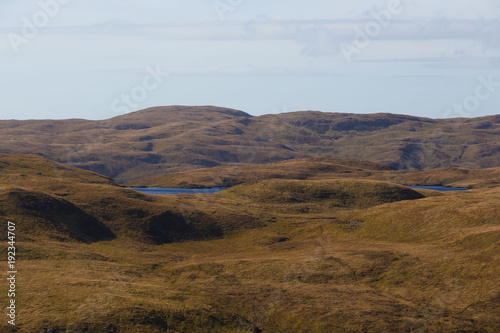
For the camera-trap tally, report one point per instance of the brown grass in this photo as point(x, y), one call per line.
point(424, 265)
point(324, 168)
point(177, 138)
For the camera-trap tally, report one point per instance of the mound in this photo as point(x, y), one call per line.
point(338, 193)
point(41, 214)
point(170, 227)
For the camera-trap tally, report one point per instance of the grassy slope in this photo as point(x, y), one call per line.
point(323, 168)
point(293, 259)
point(225, 176)
point(48, 196)
point(169, 139)
point(334, 193)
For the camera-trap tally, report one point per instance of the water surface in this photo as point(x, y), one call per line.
point(440, 188)
point(174, 190)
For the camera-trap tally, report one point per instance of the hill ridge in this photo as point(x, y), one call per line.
point(162, 140)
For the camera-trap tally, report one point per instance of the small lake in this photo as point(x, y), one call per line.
point(173, 190)
point(440, 188)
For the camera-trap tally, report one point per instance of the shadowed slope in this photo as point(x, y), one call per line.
point(39, 214)
point(52, 200)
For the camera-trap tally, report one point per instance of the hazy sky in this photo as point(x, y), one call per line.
point(98, 59)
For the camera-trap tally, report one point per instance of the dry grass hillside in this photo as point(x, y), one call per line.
point(297, 253)
point(66, 203)
point(176, 138)
point(321, 168)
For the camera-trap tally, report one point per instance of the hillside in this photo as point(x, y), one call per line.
point(170, 139)
point(59, 202)
point(321, 168)
point(305, 252)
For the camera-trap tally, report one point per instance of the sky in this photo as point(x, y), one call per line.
point(95, 59)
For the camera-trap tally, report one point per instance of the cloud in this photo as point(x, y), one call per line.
point(476, 42)
point(264, 28)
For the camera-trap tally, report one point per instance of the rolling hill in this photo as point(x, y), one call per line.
point(300, 250)
point(170, 139)
point(321, 168)
point(59, 202)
